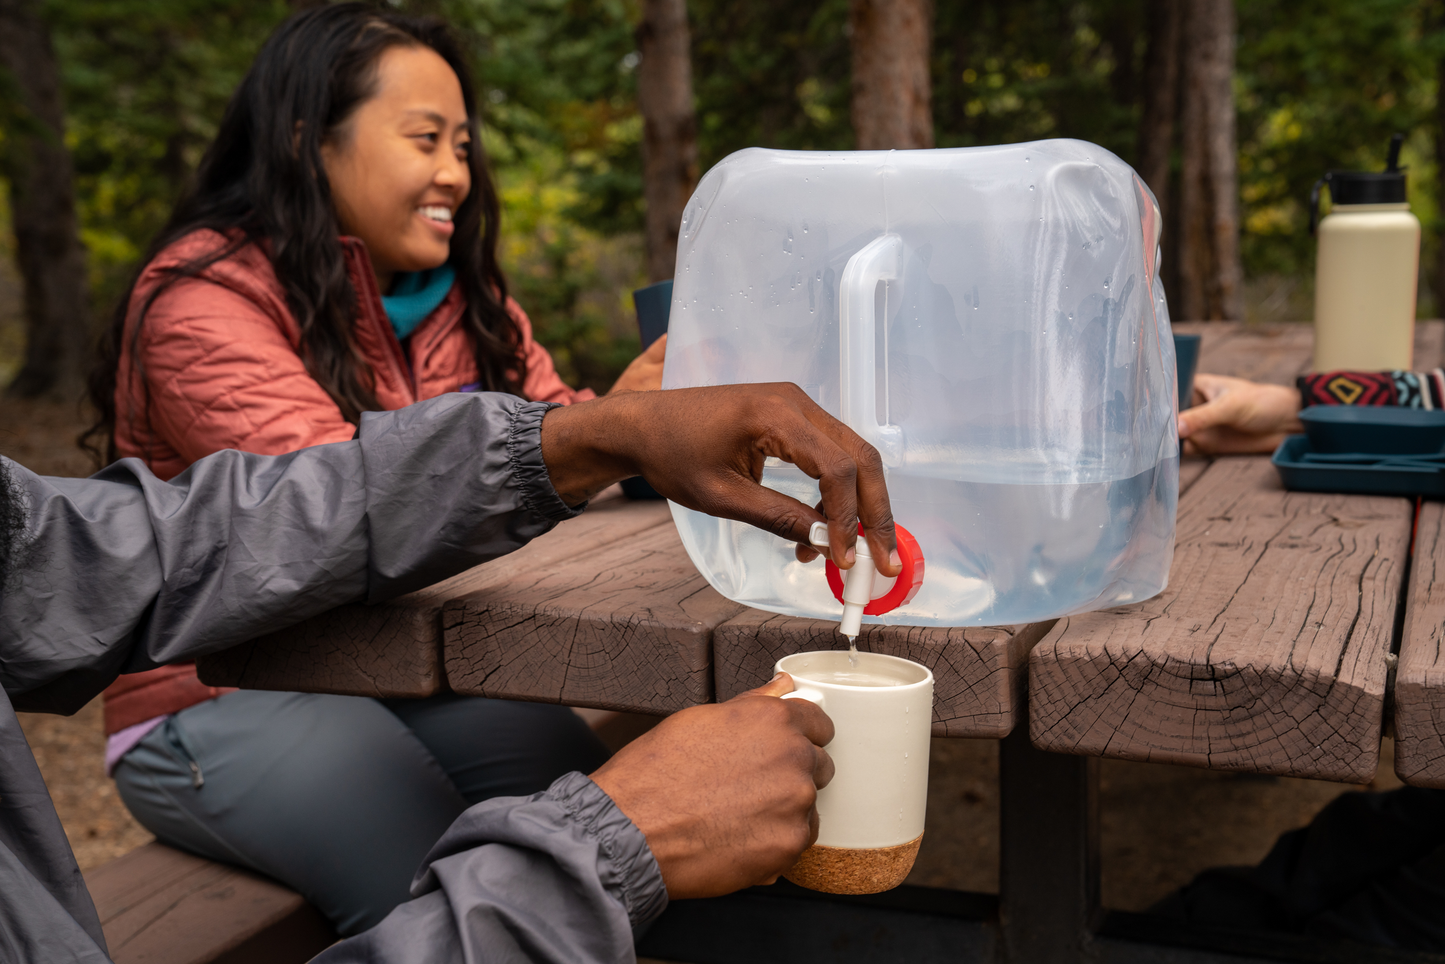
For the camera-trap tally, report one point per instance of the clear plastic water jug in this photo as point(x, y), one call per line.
point(991, 319)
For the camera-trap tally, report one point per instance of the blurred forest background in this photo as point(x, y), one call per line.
point(1311, 85)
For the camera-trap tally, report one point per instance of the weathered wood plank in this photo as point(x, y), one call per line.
point(1190, 469)
point(394, 649)
point(977, 671)
point(624, 628)
point(390, 650)
point(161, 906)
point(1267, 652)
point(611, 523)
point(1264, 353)
point(1277, 353)
point(1420, 677)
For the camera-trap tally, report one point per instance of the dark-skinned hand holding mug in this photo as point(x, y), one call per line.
point(726, 793)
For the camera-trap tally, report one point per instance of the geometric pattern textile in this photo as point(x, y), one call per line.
point(1405, 389)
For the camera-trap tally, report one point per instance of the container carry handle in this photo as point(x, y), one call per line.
point(880, 260)
point(1315, 202)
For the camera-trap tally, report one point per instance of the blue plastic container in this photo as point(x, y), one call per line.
point(1384, 430)
point(1398, 477)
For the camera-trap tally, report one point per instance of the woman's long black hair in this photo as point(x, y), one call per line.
point(262, 180)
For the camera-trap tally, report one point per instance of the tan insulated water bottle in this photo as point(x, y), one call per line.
point(1365, 276)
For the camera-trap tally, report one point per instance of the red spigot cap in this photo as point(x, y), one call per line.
point(888, 594)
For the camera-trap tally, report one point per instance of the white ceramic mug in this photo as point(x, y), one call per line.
point(870, 817)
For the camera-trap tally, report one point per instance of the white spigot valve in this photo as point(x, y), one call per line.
point(861, 590)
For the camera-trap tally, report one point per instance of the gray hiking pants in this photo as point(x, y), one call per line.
point(340, 797)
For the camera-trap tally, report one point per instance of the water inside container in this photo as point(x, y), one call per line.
point(997, 553)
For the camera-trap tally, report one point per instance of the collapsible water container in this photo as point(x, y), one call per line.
point(991, 319)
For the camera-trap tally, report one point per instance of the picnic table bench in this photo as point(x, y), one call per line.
point(158, 905)
point(1297, 629)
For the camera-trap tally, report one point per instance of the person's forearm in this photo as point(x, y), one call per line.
point(581, 445)
point(124, 572)
point(452, 483)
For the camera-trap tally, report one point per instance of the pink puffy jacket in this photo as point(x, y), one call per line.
point(220, 361)
point(220, 358)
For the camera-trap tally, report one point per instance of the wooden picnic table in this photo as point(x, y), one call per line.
point(1296, 630)
point(1271, 651)
point(605, 611)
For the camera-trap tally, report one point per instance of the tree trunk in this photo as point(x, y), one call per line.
point(42, 206)
point(1211, 278)
point(1226, 290)
point(1120, 28)
point(1437, 285)
point(669, 128)
point(1191, 251)
point(1161, 97)
point(891, 91)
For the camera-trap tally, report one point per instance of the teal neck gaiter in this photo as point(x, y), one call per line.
point(415, 295)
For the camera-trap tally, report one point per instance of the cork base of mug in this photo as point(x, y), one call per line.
point(845, 870)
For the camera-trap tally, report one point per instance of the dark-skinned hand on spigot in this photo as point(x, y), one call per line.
point(725, 794)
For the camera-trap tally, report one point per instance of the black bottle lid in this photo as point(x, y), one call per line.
point(1363, 187)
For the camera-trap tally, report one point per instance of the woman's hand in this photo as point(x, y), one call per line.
point(726, 793)
point(705, 447)
point(1234, 416)
point(644, 374)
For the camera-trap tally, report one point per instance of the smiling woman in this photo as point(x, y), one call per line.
point(337, 254)
point(398, 167)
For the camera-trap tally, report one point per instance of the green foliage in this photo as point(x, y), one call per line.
point(558, 78)
point(1321, 86)
point(778, 75)
point(145, 83)
point(557, 81)
point(1016, 70)
point(574, 283)
point(770, 75)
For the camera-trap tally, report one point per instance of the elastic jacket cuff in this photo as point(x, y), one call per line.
point(524, 449)
point(631, 872)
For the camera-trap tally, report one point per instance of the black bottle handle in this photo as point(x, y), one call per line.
point(1315, 202)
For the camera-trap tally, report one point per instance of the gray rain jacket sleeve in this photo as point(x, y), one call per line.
point(563, 876)
point(121, 572)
